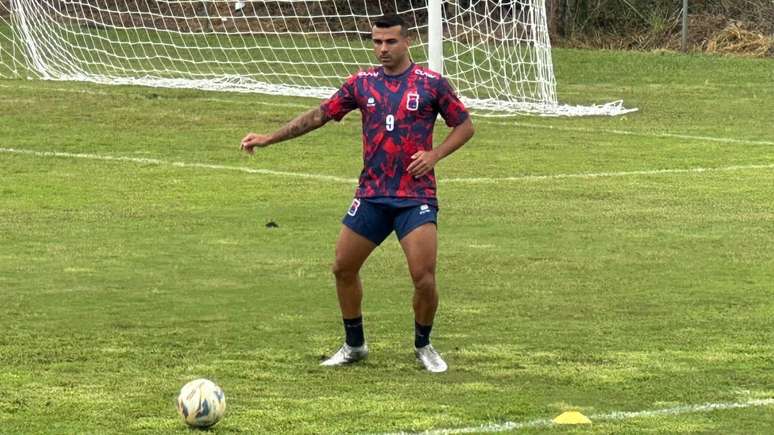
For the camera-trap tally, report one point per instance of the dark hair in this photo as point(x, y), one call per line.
point(391, 20)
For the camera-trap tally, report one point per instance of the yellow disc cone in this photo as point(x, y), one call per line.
point(572, 417)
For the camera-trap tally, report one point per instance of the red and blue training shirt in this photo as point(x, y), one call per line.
point(399, 114)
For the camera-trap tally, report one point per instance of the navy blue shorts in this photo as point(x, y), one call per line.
point(375, 219)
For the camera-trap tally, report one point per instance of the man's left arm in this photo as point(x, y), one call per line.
point(424, 161)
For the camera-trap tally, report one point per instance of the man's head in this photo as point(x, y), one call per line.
point(391, 42)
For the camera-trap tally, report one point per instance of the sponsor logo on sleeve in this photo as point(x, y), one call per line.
point(419, 72)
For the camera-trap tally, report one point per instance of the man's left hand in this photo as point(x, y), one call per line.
point(423, 162)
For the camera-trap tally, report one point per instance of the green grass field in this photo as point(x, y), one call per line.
point(648, 286)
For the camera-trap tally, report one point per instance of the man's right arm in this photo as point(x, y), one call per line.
point(304, 123)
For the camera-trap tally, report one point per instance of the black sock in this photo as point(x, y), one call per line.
point(421, 334)
point(354, 330)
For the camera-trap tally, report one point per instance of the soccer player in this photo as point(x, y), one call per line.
point(399, 102)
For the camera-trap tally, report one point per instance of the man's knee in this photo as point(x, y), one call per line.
point(342, 272)
point(424, 280)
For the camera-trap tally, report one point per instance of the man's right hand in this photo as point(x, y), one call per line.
point(252, 140)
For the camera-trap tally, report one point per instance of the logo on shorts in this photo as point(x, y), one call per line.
point(371, 102)
point(424, 208)
point(412, 101)
point(353, 208)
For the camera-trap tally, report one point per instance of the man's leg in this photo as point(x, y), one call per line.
point(352, 250)
point(421, 248)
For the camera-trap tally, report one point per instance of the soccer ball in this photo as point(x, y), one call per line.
point(201, 403)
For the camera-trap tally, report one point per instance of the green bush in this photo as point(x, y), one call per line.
point(576, 18)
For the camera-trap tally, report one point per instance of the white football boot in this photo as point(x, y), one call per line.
point(431, 359)
point(347, 355)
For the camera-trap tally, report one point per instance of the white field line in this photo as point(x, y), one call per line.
point(482, 180)
point(144, 161)
point(321, 177)
point(611, 416)
point(478, 120)
point(631, 133)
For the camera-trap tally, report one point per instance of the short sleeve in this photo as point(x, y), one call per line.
point(449, 105)
point(342, 102)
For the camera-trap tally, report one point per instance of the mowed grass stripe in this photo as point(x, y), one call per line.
point(514, 122)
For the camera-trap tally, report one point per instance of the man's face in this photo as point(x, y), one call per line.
point(390, 47)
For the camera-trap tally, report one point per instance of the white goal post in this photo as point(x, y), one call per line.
point(495, 52)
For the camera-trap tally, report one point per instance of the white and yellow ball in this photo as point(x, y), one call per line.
point(201, 403)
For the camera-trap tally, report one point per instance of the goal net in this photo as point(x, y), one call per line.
point(495, 52)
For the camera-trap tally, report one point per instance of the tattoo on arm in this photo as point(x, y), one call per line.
point(303, 124)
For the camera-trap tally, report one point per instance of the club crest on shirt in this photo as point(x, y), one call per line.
point(353, 208)
point(412, 101)
point(371, 102)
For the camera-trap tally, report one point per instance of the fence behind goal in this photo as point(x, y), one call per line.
point(496, 53)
